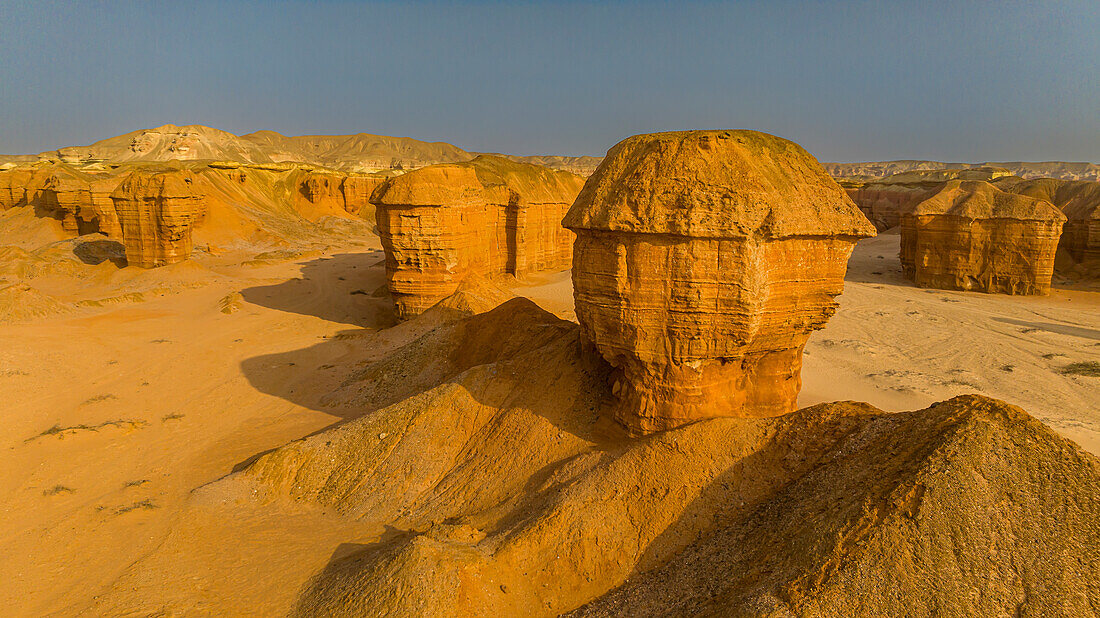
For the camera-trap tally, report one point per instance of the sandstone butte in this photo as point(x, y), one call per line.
point(703, 261)
point(487, 216)
point(157, 210)
point(884, 200)
point(1079, 201)
point(972, 236)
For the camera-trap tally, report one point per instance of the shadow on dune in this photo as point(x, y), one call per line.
point(338, 288)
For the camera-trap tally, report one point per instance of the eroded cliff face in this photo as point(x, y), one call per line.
point(703, 261)
point(157, 210)
point(81, 202)
point(487, 216)
point(972, 236)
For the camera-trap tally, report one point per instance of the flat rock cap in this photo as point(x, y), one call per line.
point(976, 199)
point(715, 184)
point(485, 179)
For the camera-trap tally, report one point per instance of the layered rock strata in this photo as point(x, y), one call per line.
point(1079, 201)
point(81, 202)
point(972, 236)
point(157, 210)
point(487, 216)
point(703, 261)
point(883, 201)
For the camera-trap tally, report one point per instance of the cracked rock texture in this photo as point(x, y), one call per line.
point(487, 216)
point(703, 261)
point(157, 210)
point(972, 236)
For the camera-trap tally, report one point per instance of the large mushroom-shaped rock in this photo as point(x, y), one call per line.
point(486, 216)
point(703, 261)
point(157, 210)
point(973, 236)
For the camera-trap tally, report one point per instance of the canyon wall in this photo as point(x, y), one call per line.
point(487, 216)
point(703, 261)
point(157, 210)
point(972, 236)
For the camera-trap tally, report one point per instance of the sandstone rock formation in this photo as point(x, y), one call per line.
point(337, 191)
point(703, 261)
point(883, 201)
point(1079, 201)
point(972, 236)
point(157, 210)
point(488, 216)
point(80, 201)
point(486, 458)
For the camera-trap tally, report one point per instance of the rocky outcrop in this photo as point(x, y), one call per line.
point(81, 202)
point(703, 261)
point(482, 441)
point(488, 216)
point(1079, 201)
point(883, 201)
point(331, 191)
point(157, 210)
point(972, 236)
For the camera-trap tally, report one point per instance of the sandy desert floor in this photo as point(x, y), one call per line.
point(113, 415)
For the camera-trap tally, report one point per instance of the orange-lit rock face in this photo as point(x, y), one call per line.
point(1079, 201)
point(81, 202)
point(157, 211)
point(972, 236)
point(487, 216)
point(703, 261)
point(884, 201)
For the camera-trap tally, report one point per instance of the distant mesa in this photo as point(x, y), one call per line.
point(972, 236)
point(488, 216)
point(703, 261)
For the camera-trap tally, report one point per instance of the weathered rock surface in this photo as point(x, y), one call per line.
point(505, 492)
point(883, 201)
point(1079, 201)
point(82, 202)
point(487, 216)
point(972, 236)
point(157, 210)
point(703, 261)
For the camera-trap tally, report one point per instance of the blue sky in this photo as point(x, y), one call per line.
point(960, 81)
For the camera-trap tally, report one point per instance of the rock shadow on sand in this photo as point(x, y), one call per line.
point(348, 288)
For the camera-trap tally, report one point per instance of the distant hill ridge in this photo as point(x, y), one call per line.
point(361, 152)
point(874, 170)
point(365, 152)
